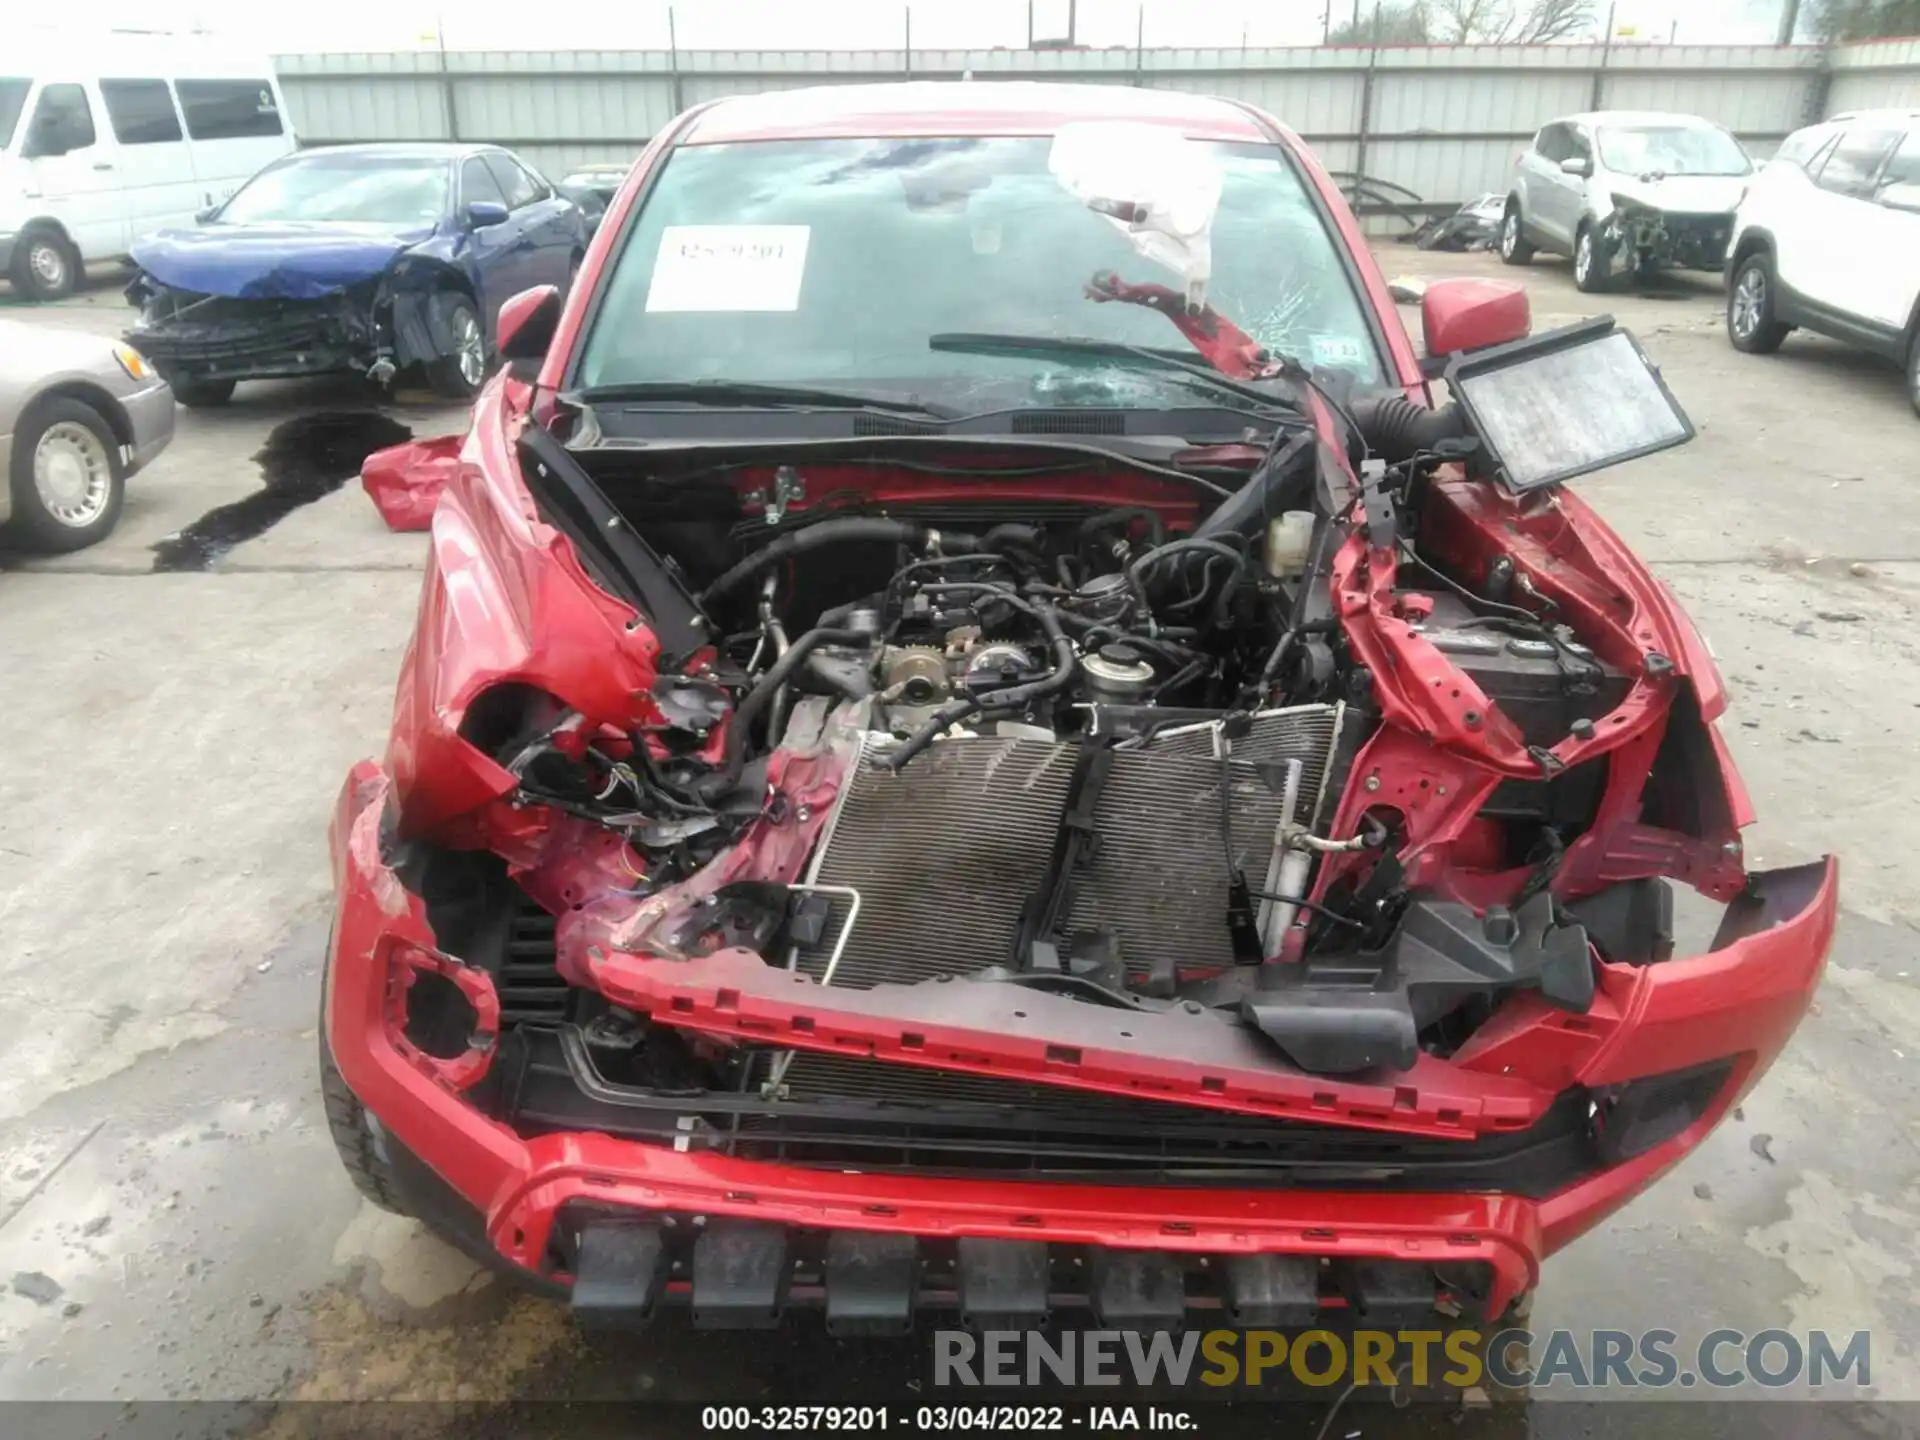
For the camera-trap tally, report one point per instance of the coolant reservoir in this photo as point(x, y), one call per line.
point(1287, 540)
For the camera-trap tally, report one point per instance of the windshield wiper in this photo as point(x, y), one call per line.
point(1082, 346)
point(755, 394)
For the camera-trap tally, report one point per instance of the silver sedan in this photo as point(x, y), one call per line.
point(78, 415)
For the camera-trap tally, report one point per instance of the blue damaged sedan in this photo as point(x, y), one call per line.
point(389, 261)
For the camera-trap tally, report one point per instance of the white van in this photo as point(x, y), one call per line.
point(104, 138)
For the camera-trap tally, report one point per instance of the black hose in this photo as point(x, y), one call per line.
point(1064, 666)
point(947, 715)
point(912, 568)
point(1179, 547)
point(1213, 549)
point(1013, 537)
point(1199, 596)
point(1396, 429)
point(1014, 697)
point(1279, 653)
point(1106, 519)
point(836, 618)
point(733, 758)
point(830, 532)
point(1186, 675)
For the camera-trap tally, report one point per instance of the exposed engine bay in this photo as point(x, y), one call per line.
point(1090, 751)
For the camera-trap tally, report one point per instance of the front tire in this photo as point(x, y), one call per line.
point(1913, 372)
point(1514, 249)
point(1589, 270)
point(1752, 325)
point(459, 374)
point(67, 477)
point(357, 1136)
point(45, 266)
point(367, 1154)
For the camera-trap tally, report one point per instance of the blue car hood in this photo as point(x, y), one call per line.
point(289, 261)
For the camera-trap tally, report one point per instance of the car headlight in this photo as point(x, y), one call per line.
point(132, 361)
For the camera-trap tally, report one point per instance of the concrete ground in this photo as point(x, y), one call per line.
point(173, 1222)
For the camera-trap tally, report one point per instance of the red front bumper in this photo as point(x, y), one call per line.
point(1739, 1001)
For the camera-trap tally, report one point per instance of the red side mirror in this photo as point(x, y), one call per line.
point(1473, 314)
point(527, 323)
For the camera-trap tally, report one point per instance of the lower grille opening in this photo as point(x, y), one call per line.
point(529, 985)
point(844, 1114)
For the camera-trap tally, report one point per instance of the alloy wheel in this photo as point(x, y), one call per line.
point(1510, 234)
point(1583, 257)
point(73, 474)
point(470, 348)
point(1749, 302)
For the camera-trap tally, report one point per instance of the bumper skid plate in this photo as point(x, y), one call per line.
point(740, 1274)
point(872, 1283)
point(743, 1275)
point(1270, 1291)
point(619, 1274)
point(1003, 1284)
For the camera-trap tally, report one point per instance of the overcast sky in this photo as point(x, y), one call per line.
point(839, 24)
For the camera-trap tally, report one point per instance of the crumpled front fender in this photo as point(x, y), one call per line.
point(504, 601)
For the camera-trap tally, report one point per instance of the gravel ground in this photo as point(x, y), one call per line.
point(173, 1223)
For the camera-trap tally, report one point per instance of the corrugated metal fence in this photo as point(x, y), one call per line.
point(1443, 122)
point(1878, 73)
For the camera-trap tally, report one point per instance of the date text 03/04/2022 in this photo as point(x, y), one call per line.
point(945, 1419)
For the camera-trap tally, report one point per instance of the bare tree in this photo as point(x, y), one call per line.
point(1402, 23)
point(1459, 21)
point(1510, 22)
point(1864, 19)
point(1547, 20)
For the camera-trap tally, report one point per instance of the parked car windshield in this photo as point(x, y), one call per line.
point(837, 260)
point(371, 189)
point(597, 177)
point(1671, 150)
point(13, 98)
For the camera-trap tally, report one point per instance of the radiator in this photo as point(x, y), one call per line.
point(945, 853)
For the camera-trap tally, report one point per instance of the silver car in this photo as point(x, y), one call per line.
point(78, 415)
point(1625, 192)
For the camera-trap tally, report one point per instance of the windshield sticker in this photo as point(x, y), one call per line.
point(729, 267)
point(1341, 351)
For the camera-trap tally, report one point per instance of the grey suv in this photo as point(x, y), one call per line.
point(1625, 192)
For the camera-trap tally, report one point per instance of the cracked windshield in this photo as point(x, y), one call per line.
point(957, 234)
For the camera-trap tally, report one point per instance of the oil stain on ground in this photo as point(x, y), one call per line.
point(305, 459)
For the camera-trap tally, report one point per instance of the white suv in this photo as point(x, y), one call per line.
point(1625, 192)
point(1829, 237)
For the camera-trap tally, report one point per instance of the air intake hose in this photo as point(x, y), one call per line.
point(1396, 429)
point(847, 529)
